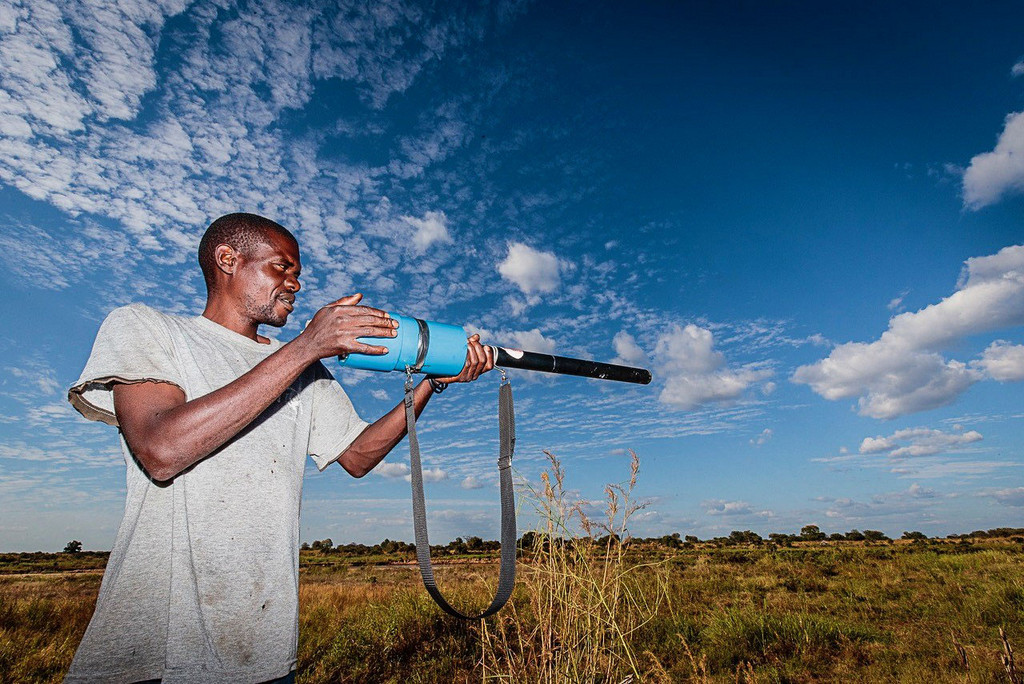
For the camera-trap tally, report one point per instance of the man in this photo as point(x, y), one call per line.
point(216, 421)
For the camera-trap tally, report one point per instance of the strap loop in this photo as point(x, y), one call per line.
point(507, 440)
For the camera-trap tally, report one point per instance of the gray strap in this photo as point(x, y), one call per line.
point(507, 438)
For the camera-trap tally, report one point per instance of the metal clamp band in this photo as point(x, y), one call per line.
point(422, 345)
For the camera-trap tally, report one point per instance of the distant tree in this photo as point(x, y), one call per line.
point(670, 541)
point(781, 539)
point(73, 546)
point(745, 537)
point(692, 539)
point(915, 536)
point(527, 541)
point(304, 547)
point(324, 545)
point(875, 535)
point(837, 536)
point(1006, 532)
point(811, 533)
point(475, 544)
point(855, 535)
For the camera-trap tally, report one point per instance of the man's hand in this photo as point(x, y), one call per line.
point(374, 443)
point(334, 329)
point(479, 360)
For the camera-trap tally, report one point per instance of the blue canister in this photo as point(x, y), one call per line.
point(424, 346)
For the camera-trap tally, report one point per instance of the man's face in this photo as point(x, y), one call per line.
point(269, 279)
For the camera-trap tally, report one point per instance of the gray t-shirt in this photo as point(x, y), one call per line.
point(202, 582)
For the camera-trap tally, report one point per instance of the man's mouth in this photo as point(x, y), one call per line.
point(288, 301)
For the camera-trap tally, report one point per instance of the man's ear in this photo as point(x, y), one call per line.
point(226, 259)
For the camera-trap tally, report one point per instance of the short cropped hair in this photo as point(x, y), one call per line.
point(242, 232)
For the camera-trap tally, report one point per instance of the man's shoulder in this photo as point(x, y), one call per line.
point(139, 317)
point(140, 311)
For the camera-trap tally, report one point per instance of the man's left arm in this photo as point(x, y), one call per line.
point(378, 439)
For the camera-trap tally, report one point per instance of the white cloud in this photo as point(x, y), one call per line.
point(896, 303)
point(918, 442)
point(876, 445)
point(916, 491)
point(1003, 361)
point(903, 372)
point(392, 469)
point(1017, 69)
point(992, 175)
point(430, 229)
point(434, 475)
point(531, 270)
point(897, 509)
point(933, 468)
point(1013, 496)
point(530, 340)
point(627, 351)
point(402, 470)
point(38, 376)
point(379, 394)
point(96, 123)
point(471, 482)
point(762, 438)
point(733, 508)
point(695, 373)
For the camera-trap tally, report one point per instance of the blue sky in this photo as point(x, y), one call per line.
point(804, 218)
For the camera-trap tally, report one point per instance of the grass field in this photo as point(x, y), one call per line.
point(908, 612)
point(594, 609)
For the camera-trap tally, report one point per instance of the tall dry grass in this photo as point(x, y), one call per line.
point(582, 598)
point(42, 619)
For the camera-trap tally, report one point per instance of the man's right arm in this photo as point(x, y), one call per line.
point(168, 434)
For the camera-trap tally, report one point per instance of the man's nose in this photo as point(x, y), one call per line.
point(293, 284)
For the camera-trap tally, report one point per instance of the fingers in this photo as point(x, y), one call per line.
point(372, 331)
point(370, 349)
point(347, 300)
point(379, 324)
point(342, 327)
point(353, 300)
point(489, 352)
point(477, 360)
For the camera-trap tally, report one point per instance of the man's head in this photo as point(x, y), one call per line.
point(251, 264)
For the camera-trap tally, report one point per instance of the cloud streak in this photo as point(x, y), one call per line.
point(918, 442)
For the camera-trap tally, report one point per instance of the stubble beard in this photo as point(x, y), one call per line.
point(266, 314)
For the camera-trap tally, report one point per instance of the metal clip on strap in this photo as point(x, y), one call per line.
point(507, 439)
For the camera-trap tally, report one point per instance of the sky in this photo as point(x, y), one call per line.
point(804, 218)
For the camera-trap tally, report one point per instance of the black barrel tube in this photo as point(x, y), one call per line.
point(547, 363)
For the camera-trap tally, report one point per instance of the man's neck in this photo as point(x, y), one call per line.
point(222, 313)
